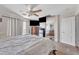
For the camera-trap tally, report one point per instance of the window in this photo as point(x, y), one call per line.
point(24, 28)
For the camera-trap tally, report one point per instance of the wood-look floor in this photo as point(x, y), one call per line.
point(46, 46)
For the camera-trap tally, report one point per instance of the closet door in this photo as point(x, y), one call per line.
point(67, 30)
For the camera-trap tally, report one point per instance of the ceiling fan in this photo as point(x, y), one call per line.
point(30, 11)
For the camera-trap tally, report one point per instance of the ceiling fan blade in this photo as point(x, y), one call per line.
point(27, 14)
point(35, 14)
point(37, 10)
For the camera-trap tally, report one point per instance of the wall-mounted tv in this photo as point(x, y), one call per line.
point(42, 19)
point(34, 23)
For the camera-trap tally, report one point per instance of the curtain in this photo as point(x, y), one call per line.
point(10, 26)
point(13, 26)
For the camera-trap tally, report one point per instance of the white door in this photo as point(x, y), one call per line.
point(67, 30)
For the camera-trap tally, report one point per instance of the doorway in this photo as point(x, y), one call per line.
point(35, 30)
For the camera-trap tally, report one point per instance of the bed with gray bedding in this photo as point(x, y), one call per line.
point(13, 45)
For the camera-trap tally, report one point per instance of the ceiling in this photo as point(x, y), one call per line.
point(47, 9)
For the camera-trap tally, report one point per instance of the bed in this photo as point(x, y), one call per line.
point(15, 44)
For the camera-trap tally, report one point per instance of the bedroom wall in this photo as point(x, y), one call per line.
point(3, 28)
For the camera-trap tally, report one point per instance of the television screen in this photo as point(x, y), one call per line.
point(34, 23)
point(42, 19)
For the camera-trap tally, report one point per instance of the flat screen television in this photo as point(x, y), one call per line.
point(42, 19)
point(34, 23)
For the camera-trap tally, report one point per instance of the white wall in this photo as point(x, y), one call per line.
point(3, 28)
